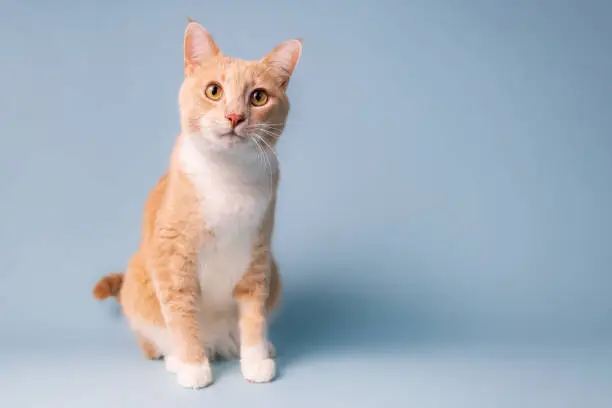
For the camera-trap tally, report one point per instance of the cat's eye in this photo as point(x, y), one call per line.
point(213, 91)
point(259, 97)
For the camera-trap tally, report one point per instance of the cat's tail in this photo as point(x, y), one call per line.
point(109, 285)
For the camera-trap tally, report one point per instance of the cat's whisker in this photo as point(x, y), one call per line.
point(265, 156)
point(260, 155)
point(270, 124)
point(270, 133)
point(274, 129)
point(272, 150)
point(267, 125)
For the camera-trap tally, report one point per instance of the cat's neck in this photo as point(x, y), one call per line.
point(243, 163)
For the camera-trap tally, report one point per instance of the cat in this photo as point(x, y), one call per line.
point(203, 281)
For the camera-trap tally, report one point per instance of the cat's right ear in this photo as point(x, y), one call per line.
point(199, 46)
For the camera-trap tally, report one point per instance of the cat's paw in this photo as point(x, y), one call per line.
point(194, 375)
point(172, 363)
point(258, 370)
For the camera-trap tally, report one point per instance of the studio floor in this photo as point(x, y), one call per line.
point(108, 371)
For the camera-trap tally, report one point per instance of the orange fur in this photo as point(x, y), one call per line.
point(208, 211)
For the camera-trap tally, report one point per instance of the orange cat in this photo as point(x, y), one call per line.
point(204, 280)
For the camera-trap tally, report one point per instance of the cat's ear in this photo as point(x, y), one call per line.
point(283, 59)
point(199, 46)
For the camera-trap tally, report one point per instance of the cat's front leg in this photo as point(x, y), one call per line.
point(174, 265)
point(256, 353)
point(256, 361)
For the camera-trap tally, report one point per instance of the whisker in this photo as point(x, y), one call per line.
point(269, 166)
point(260, 155)
point(267, 132)
point(273, 126)
point(270, 148)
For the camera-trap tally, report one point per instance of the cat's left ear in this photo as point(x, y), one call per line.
point(199, 46)
point(283, 59)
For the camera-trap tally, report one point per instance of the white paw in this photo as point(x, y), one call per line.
point(172, 364)
point(258, 370)
point(194, 375)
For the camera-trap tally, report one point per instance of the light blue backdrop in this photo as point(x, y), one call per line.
point(447, 166)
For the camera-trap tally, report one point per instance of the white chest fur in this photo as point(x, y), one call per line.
point(234, 192)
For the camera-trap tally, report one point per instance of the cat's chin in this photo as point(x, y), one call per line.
point(231, 139)
point(223, 142)
point(230, 142)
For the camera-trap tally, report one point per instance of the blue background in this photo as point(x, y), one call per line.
point(444, 222)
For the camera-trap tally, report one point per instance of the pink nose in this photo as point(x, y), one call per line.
point(234, 118)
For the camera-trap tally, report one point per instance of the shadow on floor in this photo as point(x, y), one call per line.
point(329, 316)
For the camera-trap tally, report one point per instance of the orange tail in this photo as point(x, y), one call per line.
point(109, 285)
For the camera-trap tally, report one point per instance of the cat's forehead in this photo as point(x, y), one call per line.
point(236, 72)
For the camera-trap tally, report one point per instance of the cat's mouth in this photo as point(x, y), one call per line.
point(231, 133)
point(232, 137)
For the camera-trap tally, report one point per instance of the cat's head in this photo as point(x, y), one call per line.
point(225, 102)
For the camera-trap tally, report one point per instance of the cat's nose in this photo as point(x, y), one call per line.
point(234, 118)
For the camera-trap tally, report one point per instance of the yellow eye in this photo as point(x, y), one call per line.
point(213, 91)
point(259, 97)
